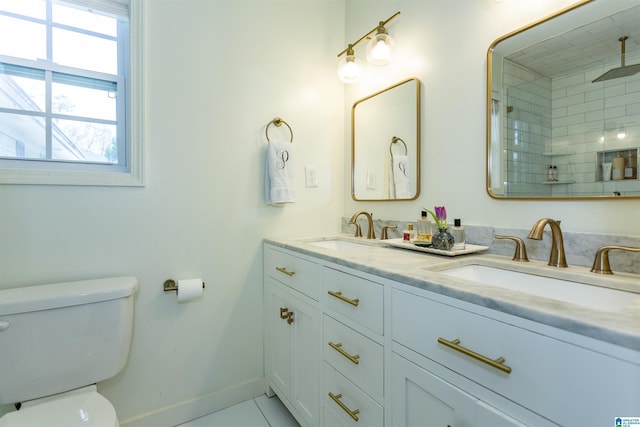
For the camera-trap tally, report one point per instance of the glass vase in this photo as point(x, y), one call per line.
point(442, 240)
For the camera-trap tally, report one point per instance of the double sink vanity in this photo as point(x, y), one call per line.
point(362, 333)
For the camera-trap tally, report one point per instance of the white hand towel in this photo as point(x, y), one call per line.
point(399, 185)
point(279, 183)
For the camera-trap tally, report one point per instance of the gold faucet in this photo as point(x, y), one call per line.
point(556, 257)
point(521, 249)
point(385, 233)
point(371, 234)
point(601, 261)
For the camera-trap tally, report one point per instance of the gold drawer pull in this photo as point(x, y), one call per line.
point(497, 363)
point(352, 414)
point(338, 347)
point(285, 271)
point(353, 302)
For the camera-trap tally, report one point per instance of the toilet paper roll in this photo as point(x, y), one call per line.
point(189, 289)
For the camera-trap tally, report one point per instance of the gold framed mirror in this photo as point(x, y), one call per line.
point(385, 144)
point(563, 105)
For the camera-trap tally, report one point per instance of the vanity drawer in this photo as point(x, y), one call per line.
point(357, 298)
point(355, 356)
point(365, 410)
point(296, 272)
point(560, 381)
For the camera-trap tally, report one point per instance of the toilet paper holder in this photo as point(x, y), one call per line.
point(172, 285)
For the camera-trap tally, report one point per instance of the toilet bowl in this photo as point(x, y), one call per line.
point(56, 342)
point(78, 408)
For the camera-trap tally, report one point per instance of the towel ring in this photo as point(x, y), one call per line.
point(278, 122)
point(394, 140)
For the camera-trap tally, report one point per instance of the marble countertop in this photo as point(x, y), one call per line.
point(620, 327)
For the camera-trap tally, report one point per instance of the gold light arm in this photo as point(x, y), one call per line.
point(353, 302)
point(352, 358)
point(352, 413)
point(497, 363)
point(382, 23)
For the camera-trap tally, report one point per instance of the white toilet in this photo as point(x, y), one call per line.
point(56, 342)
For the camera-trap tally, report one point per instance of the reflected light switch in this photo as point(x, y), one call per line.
point(371, 180)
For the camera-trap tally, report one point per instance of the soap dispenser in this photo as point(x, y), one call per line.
point(459, 238)
point(424, 228)
point(617, 170)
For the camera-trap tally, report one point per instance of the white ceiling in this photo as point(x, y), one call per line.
point(585, 47)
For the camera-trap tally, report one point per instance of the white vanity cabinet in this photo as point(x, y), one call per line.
point(292, 354)
point(562, 382)
point(345, 347)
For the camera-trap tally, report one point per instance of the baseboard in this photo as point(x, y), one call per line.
point(188, 410)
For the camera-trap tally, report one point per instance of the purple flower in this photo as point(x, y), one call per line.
point(440, 216)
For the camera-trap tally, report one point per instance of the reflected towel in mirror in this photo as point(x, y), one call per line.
point(279, 182)
point(399, 182)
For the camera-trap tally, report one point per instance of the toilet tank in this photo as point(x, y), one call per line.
point(62, 336)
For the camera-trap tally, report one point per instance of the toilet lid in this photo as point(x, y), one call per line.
point(85, 409)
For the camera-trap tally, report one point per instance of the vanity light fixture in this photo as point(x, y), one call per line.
point(379, 50)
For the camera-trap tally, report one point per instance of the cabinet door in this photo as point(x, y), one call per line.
point(420, 399)
point(292, 353)
point(489, 416)
point(306, 361)
point(278, 336)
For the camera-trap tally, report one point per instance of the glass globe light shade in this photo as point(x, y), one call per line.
point(379, 49)
point(350, 68)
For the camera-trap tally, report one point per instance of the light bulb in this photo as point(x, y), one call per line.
point(350, 69)
point(379, 49)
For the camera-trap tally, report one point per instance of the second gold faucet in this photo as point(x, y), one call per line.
point(371, 234)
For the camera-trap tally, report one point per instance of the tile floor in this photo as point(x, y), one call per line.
point(259, 412)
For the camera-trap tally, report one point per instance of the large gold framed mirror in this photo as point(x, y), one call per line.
point(385, 144)
point(563, 105)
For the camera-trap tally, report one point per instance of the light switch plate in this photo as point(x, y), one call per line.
point(311, 176)
point(371, 180)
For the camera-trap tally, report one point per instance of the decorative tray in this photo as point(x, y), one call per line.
point(469, 249)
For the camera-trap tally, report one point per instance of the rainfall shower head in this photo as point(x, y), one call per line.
point(622, 71)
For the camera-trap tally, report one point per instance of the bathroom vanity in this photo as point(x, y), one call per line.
point(358, 333)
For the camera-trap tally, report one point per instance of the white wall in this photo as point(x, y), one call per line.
point(216, 72)
point(444, 44)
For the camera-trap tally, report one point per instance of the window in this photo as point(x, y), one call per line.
point(68, 92)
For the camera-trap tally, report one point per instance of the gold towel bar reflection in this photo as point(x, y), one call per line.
point(353, 302)
point(171, 285)
point(278, 122)
point(497, 363)
point(352, 414)
point(338, 347)
point(394, 140)
point(285, 271)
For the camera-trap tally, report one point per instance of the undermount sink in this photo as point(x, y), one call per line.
point(338, 244)
point(586, 295)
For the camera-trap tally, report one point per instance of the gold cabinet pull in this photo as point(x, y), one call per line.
point(285, 271)
point(286, 314)
point(353, 302)
point(338, 347)
point(497, 363)
point(353, 414)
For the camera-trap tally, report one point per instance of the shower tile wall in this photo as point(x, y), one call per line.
point(587, 118)
point(564, 122)
point(528, 130)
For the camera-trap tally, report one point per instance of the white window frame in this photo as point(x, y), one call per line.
point(57, 173)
